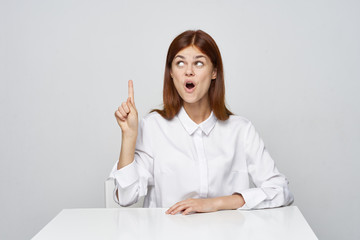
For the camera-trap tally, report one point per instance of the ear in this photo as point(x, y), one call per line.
point(214, 74)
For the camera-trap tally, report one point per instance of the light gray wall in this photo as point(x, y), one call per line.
point(292, 67)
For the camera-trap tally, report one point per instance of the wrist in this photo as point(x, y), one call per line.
point(234, 201)
point(218, 203)
point(129, 136)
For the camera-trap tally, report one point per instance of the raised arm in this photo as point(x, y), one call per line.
point(127, 118)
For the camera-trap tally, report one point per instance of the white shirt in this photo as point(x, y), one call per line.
point(179, 159)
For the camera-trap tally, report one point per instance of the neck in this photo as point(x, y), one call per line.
point(199, 111)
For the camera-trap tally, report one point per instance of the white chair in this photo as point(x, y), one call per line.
point(109, 193)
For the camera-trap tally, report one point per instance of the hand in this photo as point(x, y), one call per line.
point(127, 115)
point(194, 205)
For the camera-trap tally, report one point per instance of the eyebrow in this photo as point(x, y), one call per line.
point(199, 56)
point(196, 57)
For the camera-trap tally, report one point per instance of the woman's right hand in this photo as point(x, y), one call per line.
point(127, 115)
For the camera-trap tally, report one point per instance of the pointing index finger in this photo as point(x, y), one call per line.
point(131, 91)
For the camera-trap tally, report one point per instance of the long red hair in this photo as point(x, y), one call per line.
point(206, 44)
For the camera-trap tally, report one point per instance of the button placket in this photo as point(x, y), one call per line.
point(199, 145)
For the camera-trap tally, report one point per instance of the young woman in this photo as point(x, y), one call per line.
point(194, 155)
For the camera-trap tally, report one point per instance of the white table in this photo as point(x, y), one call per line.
point(152, 223)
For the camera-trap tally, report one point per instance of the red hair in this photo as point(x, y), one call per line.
point(206, 44)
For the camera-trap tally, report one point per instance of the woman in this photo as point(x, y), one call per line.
point(194, 155)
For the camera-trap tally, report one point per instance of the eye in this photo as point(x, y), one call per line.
point(180, 64)
point(199, 64)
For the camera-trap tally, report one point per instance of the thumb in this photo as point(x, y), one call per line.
point(130, 105)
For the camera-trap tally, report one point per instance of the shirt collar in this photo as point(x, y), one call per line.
point(190, 126)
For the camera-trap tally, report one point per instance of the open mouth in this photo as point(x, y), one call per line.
point(190, 85)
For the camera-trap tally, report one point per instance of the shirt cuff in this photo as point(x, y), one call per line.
point(252, 197)
point(126, 175)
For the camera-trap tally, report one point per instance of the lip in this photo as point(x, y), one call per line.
point(189, 90)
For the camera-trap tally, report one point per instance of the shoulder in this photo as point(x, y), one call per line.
point(154, 119)
point(152, 116)
point(236, 125)
point(235, 120)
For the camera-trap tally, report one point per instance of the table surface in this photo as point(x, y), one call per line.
point(153, 223)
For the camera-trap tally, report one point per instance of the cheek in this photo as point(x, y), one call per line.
point(177, 83)
point(176, 76)
point(206, 78)
point(206, 84)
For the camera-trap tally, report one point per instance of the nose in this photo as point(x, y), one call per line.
point(189, 71)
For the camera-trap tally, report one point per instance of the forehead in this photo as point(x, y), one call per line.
point(190, 52)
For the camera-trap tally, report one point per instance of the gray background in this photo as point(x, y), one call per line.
point(291, 67)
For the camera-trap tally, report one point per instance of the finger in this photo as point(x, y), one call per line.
point(173, 207)
point(131, 91)
point(176, 210)
point(188, 210)
point(118, 115)
point(125, 107)
point(131, 105)
point(122, 112)
point(179, 209)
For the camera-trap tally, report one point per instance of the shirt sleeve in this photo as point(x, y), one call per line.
point(133, 180)
point(271, 186)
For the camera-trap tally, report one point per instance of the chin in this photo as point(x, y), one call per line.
point(190, 101)
point(187, 99)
